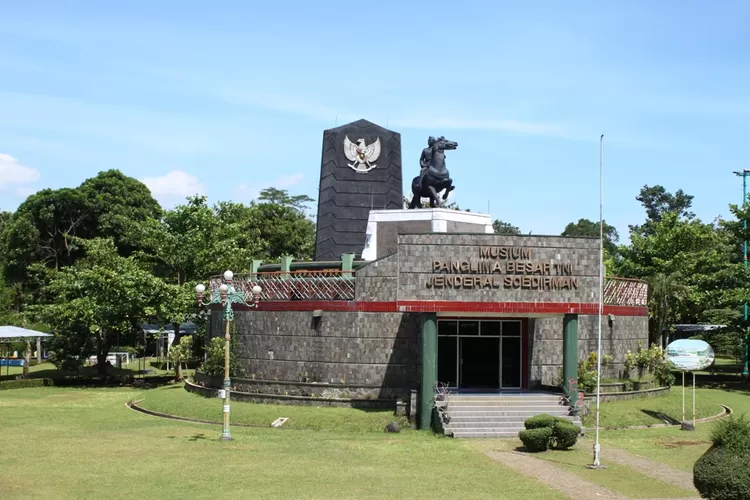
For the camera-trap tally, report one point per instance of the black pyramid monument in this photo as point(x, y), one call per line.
point(360, 170)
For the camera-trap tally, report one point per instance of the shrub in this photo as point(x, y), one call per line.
point(723, 474)
point(543, 420)
point(25, 383)
point(537, 439)
point(564, 435)
point(213, 366)
point(732, 433)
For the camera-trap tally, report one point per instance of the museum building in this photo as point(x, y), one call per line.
point(419, 297)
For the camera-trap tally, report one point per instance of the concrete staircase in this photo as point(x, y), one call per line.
point(499, 415)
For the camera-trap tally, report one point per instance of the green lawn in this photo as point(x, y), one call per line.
point(48, 370)
point(633, 412)
point(672, 446)
point(85, 443)
point(617, 478)
point(175, 400)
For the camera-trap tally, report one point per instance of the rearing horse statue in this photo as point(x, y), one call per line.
point(434, 177)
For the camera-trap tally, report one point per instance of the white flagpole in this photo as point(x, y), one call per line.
point(597, 462)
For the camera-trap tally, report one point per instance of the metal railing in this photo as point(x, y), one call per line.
point(625, 292)
point(295, 285)
point(340, 285)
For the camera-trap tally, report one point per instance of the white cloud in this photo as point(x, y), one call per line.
point(174, 187)
point(246, 192)
point(13, 173)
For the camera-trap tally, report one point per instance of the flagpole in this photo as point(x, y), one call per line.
point(597, 462)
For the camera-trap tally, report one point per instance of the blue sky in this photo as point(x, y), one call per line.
point(226, 98)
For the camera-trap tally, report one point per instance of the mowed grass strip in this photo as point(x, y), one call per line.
point(175, 400)
point(642, 411)
point(84, 443)
point(616, 478)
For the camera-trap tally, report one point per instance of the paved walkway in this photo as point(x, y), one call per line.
point(657, 470)
point(577, 488)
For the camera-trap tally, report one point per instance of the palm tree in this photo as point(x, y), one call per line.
point(666, 296)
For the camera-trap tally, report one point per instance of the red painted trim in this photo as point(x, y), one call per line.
point(525, 353)
point(457, 307)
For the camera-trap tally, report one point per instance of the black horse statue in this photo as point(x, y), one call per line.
point(434, 177)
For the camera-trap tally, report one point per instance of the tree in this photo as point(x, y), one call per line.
point(666, 297)
point(590, 229)
point(181, 352)
point(657, 202)
point(118, 205)
point(501, 227)
point(281, 225)
point(98, 296)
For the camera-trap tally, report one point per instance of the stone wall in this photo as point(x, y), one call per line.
point(546, 344)
point(377, 281)
point(347, 349)
point(416, 254)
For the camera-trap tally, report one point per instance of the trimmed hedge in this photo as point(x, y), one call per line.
point(564, 435)
point(537, 439)
point(723, 472)
point(543, 420)
point(25, 383)
point(547, 431)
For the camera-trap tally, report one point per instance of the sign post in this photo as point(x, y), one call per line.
point(688, 355)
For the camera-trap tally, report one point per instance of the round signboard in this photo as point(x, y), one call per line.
point(689, 355)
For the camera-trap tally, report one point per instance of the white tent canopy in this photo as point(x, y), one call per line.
point(15, 332)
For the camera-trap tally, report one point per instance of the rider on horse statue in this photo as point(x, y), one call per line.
point(433, 176)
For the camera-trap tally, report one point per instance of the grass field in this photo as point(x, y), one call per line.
point(617, 478)
point(85, 443)
point(642, 411)
point(174, 400)
point(48, 370)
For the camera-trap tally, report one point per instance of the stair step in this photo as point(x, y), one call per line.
point(495, 418)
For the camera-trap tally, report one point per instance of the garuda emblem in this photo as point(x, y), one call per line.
point(361, 155)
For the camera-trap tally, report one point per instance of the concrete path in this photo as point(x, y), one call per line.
point(650, 468)
point(576, 488)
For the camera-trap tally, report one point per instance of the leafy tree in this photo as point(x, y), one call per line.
point(100, 295)
point(657, 202)
point(281, 225)
point(666, 298)
point(118, 204)
point(502, 227)
point(181, 352)
point(590, 229)
point(44, 230)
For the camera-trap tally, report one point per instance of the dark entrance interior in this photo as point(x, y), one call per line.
point(480, 354)
point(480, 362)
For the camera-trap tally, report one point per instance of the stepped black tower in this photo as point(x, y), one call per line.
point(360, 170)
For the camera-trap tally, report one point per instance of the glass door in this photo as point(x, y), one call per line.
point(510, 355)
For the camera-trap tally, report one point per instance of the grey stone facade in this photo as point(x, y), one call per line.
point(416, 254)
point(378, 354)
point(546, 344)
point(354, 352)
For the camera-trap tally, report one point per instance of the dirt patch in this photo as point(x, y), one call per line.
point(670, 443)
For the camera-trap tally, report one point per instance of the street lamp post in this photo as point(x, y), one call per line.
point(745, 172)
point(227, 295)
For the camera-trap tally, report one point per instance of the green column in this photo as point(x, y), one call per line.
point(286, 265)
point(429, 369)
point(570, 355)
point(347, 263)
point(255, 266)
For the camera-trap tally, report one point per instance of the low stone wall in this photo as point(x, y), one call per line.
point(296, 393)
point(618, 396)
point(621, 386)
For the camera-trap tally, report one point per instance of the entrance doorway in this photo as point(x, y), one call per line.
point(480, 354)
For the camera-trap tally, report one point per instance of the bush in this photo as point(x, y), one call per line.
point(536, 439)
point(543, 420)
point(25, 383)
point(564, 435)
point(561, 433)
point(723, 473)
point(732, 433)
